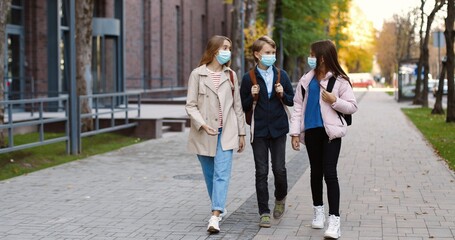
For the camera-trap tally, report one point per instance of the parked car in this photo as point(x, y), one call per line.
point(362, 80)
point(445, 89)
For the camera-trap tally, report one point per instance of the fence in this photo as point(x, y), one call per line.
point(30, 120)
point(116, 107)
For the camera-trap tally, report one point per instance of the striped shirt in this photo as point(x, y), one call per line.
point(216, 78)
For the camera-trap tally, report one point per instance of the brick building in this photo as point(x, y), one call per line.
point(147, 45)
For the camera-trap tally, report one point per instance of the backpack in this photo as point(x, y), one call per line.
point(249, 114)
point(332, 80)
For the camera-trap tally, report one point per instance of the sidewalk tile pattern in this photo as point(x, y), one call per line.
point(393, 187)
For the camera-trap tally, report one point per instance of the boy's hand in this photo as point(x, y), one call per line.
point(279, 89)
point(255, 90)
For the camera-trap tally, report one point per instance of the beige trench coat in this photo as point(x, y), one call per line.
point(202, 106)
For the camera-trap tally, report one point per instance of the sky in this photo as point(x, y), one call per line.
point(379, 10)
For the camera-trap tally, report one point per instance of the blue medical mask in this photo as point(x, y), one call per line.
point(223, 56)
point(268, 60)
point(312, 62)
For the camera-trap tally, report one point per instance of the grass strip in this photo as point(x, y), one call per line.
point(436, 130)
point(29, 160)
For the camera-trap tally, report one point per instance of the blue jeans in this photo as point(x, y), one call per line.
point(217, 173)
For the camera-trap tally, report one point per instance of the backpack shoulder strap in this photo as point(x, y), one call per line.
point(254, 81)
point(303, 92)
point(331, 83)
point(231, 75)
point(278, 73)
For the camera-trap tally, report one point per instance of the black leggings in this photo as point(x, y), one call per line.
point(323, 156)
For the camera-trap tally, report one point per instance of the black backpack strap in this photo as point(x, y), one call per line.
point(303, 92)
point(331, 83)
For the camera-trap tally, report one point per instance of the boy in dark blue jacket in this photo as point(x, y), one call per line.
point(265, 92)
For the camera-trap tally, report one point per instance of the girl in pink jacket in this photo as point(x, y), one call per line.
point(317, 121)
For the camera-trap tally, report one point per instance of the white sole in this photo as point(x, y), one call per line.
point(332, 236)
point(317, 226)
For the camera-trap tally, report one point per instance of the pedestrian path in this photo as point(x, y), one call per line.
point(393, 186)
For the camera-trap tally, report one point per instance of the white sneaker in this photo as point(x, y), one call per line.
point(318, 217)
point(223, 214)
point(333, 230)
point(214, 224)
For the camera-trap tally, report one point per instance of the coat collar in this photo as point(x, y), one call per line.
point(305, 80)
point(203, 72)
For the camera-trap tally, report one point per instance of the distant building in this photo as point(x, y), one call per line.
point(149, 45)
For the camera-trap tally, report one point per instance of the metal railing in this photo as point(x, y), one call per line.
point(112, 111)
point(115, 112)
point(31, 120)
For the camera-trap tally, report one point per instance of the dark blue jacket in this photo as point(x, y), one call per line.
point(270, 118)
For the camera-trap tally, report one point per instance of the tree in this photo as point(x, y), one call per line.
point(360, 38)
point(252, 31)
point(84, 16)
point(339, 22)
point(424, 54)
point(299, 24)
point(271, 5)
point(236, 36)
point(4, 10)
point(449, 36)
point(395, 44)
point(386, 51)
point(437, 109)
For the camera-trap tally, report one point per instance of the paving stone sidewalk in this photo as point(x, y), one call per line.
point(393, 186)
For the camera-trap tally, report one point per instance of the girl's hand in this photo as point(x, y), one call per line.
point(209, 130)
point(296, 143)
point(328, 97)
point(241, 144)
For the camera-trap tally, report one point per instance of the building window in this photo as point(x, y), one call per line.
point(15, 13)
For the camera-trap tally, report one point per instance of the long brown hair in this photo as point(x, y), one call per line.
point(326, 49)
point(211, 49)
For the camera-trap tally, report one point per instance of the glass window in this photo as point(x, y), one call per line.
point(15, 16)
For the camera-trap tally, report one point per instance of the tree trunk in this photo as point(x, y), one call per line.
point(236, 61)
point(84, 16)
point(4, 9)
point(250, 14)
point(426, 55)
point(422, 97)
point(417, 96)
point(250, 20)
point(271, 4)
point(449, 35)
point(438, 109)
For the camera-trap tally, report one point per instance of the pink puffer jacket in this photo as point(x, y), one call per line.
point(345, 103)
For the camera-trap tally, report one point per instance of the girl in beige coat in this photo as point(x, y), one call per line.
point(217, 121)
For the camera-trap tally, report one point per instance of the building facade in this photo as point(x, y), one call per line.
point(146, 45)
